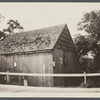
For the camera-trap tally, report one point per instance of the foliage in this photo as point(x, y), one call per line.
point(81, 43)
point(89, 84)
point(2, 35)
point(13, 26)
point(89, 43)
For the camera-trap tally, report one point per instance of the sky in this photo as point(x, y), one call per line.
point(39, 15)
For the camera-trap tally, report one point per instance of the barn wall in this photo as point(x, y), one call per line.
point(65, 50)
point(64, 41)
point(58, 67)
point(31, 63)
point(3, 62)
point(72, 61)
point(9, 62)
point(69, 64)
point(72, 66)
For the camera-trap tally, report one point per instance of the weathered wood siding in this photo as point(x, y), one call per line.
point(72, 66)
point(69, 64)
point(64, 50)
point(58, 67)
point(2, 68)
point(31, 63)
point(65, 42)
point(3, 63)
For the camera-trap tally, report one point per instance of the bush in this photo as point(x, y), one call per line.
point(89, 84)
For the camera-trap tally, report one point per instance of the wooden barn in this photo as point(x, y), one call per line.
point(46, 50)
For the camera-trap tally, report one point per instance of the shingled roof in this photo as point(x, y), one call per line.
point(40, 39)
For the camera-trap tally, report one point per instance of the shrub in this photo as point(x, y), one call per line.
point(89, 84)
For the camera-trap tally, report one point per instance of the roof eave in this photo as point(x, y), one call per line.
point(28, 52)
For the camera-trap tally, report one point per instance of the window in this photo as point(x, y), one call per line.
point(61, 60)
point(53, 63)
point(15, 65)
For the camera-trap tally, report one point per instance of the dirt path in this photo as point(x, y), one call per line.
point(25, 91)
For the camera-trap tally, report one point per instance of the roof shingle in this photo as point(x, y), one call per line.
point(40, 39)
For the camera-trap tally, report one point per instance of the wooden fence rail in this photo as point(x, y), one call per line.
point(84, 75)
point(53, 75)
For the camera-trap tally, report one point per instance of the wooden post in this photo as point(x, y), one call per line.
point(25, 81)
point(84, 78)
point(8, 78)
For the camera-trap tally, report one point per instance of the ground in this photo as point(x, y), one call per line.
point(26, 91)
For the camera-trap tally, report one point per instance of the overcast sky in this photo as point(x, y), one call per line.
point(38, 15)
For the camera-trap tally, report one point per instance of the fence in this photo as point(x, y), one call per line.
point(84, 75)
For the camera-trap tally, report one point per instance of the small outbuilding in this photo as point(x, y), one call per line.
point(47, 50)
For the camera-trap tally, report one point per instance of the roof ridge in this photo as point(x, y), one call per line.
point(42, 28)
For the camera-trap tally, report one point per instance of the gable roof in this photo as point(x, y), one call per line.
point(40, 39)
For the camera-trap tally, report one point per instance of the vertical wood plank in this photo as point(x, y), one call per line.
point(10, 63)
point(3, 63)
